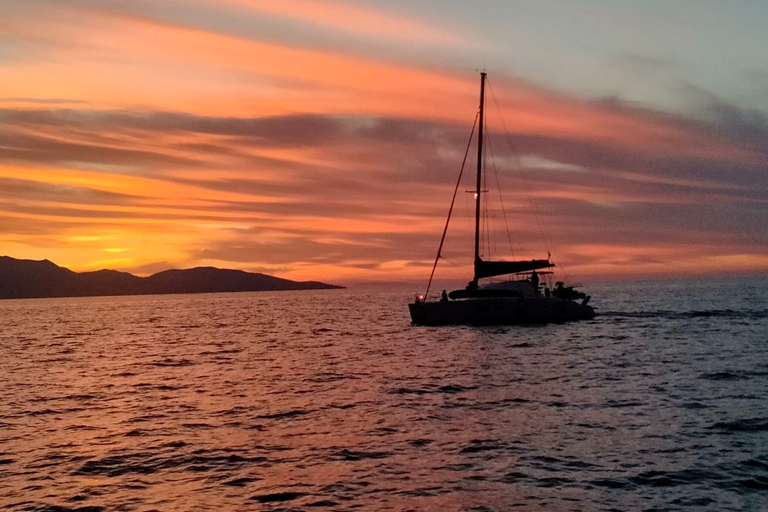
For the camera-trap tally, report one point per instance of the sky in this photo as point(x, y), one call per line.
point(322, 139)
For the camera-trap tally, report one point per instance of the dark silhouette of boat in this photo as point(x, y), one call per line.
point(518, 300)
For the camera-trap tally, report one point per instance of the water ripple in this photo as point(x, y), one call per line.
point(332, 401)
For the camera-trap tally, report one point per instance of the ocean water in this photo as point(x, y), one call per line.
point(331, 400)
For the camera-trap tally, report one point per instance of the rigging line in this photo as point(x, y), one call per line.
point(521, 173)
point(490, 213)
point(457, 265)
point(501, 197)
point(516, 156)
point(450, 210)
point(469, 223)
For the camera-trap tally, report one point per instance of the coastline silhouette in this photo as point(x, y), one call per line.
point(27, 279)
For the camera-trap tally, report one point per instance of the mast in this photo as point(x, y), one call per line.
point(493, 268)
point(479, 175)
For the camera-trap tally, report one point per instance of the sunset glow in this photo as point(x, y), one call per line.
point(322, 140)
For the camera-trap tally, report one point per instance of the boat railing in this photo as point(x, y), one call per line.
point(431, 297)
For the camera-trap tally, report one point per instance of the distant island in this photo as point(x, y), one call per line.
point(27, 279)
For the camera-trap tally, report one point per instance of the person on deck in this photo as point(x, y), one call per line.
point(444, 296)
point(535, 281)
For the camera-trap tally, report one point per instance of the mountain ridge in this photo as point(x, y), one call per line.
point(27, 279)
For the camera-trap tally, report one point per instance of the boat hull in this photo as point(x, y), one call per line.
point(499, 311)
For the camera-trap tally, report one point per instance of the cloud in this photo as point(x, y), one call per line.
point(174, 139)
point(43, 149)
point(346, 17)
point(747, 126)
point(379, 154)
point(18, 189)
point(273, 131)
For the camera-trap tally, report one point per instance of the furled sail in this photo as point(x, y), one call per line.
point(498, 268)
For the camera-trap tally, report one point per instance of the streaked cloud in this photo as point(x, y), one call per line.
point(346, 17)
point(145, 132)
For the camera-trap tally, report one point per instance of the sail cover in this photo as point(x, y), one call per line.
point(498, 268)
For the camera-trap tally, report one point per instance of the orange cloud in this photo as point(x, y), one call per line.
point(128, 140)
point(347, 17)
point(146, 62)
point(621, 261)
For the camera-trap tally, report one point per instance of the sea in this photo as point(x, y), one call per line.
point(332, 400)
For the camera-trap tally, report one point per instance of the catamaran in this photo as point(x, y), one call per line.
point(518, 300)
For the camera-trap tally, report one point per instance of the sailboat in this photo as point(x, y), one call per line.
point(518, 300)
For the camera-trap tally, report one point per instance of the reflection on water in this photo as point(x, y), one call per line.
point(331, 401)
